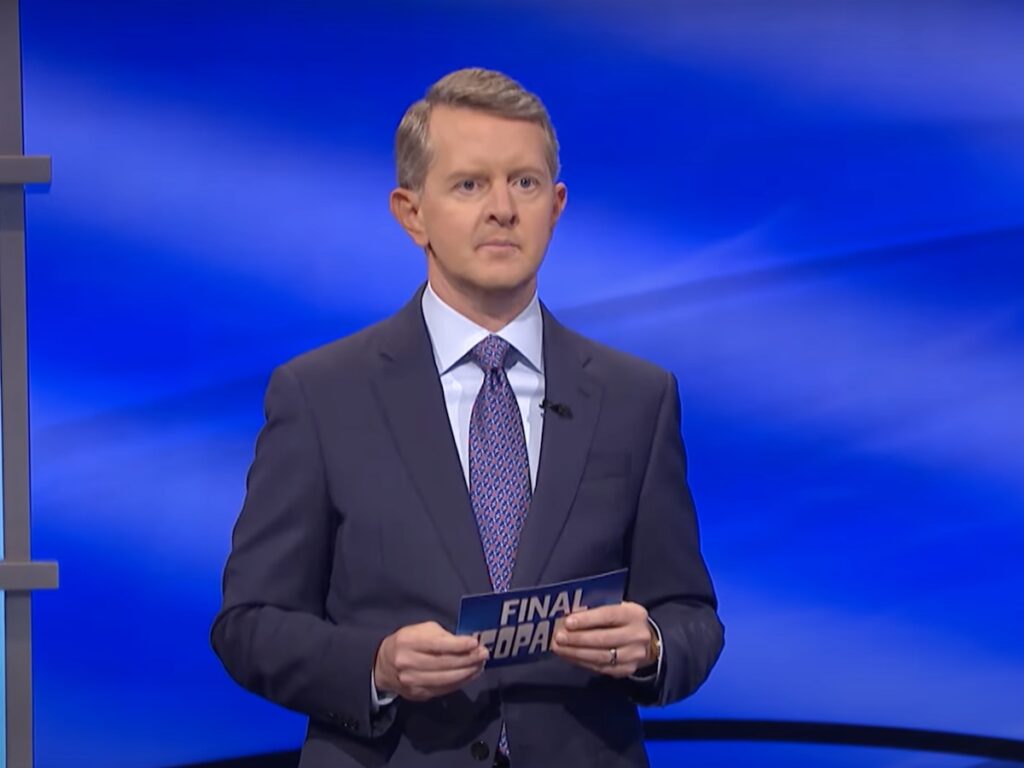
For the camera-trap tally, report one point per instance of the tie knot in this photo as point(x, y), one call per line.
point(490, 353)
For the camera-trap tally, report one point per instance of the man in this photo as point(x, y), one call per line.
point(468, 443)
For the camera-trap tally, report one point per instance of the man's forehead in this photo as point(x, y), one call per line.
point(471, 135)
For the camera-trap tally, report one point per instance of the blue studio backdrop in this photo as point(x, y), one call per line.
point(811, 212)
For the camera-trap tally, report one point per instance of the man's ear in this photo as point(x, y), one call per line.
point(405, 207)
point(561, 197)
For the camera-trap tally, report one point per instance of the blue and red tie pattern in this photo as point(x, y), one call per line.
point(499, 468)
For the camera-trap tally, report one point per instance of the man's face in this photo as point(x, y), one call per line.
point(488, 205)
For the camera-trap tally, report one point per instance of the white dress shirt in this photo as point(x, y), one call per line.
point(452, 337)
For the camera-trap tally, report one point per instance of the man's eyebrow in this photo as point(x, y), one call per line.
point(461, 173)
point(534, 169)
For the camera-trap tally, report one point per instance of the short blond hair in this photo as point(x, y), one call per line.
point(474, 88)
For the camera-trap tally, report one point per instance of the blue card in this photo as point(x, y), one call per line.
point(517, 626)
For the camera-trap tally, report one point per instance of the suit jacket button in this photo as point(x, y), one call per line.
point(479, 750)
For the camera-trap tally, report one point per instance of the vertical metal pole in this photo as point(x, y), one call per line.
point(16, 575)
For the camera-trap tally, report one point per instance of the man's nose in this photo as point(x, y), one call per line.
point(502, 206)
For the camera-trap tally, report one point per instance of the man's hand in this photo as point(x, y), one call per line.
point(611, 640)
point(421, 661)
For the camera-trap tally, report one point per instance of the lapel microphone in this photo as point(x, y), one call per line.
point(559, 409)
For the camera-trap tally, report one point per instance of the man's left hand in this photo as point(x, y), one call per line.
point(611, 640)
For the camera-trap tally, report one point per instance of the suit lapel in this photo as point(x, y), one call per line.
point(412, 401)
point(564, 447)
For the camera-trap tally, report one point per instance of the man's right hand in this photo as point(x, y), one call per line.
point(421, 661)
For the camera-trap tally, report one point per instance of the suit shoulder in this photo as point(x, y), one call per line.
point(347, 354)
point(618, 366)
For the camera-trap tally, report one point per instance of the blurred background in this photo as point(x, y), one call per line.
point(812, 212)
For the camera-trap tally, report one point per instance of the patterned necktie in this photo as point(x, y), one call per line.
point(499, 465)
point(499, 468)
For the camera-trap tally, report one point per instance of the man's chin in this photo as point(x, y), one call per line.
point(505, 276)
point(504, 284)
point(498, 280)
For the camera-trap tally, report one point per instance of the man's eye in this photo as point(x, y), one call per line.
point(526, 182)
point(467, 185)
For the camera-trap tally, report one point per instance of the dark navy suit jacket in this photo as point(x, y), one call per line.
point(357, 521)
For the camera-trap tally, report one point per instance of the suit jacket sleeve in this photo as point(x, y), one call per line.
point(271, 632)
point(668, 575)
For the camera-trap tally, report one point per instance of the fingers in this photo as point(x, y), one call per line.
point(604, 638)
point(602, 657)
point(408, 658)
point(431, 637)
point(586, 638)
point(627, 658)
point(421, 661)
point(619, 615)
point(622, 669)
point(419, 685)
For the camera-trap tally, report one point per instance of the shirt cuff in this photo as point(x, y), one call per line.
point(652, 677)
point(379, 699)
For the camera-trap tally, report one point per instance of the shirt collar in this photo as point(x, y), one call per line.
point(453, 335)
